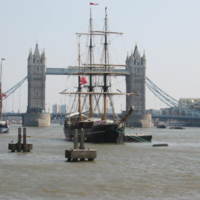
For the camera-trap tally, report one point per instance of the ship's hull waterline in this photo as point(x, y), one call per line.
point(103, 133)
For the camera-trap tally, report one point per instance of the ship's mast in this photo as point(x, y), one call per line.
point(90, 69)
point(105, 84)
point(79, 78)
point(90, 65)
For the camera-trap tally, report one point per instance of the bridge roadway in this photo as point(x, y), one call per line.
point(121, 71)
point(162, 117)
point(176, 117)
point(76, 71)
point(5, 115)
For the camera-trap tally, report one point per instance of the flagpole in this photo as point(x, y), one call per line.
point(1, 94)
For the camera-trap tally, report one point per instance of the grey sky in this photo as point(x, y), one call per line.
point(168, 31)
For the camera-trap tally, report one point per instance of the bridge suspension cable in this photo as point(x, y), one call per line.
point(14, 88)
point(163, 96)
point(159, 93)
point(169, 100)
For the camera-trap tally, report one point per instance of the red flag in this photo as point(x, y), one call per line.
point(83, 80)
point(93, 4)
point(2, 95)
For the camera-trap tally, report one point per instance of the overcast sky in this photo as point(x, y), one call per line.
point(167, 30)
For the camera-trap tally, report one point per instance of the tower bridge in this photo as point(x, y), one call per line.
point(136, 80)
point(134, 72)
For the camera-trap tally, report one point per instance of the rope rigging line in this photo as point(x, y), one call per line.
point(97, 98)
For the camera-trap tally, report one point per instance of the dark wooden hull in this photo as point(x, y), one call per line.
point(103, 133)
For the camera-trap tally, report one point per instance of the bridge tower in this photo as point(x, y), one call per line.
point(36, 115)
point(135, 82)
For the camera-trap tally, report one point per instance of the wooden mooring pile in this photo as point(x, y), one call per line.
point(80, 153)
point(20, 146)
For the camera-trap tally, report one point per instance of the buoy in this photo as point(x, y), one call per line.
point(160, 145)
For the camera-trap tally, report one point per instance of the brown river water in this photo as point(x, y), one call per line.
point(121, 172)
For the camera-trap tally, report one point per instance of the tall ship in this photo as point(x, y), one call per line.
point(94, 96)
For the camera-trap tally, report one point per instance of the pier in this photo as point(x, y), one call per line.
point(20, 146)
point(79, 152)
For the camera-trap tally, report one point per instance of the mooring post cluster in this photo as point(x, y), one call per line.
point(79, 152)
point(21, 145)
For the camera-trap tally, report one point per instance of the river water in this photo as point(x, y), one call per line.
point(130, 171)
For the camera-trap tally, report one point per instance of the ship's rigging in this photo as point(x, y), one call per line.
point(99, 75)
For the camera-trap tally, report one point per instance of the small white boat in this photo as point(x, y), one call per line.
point(4, 128)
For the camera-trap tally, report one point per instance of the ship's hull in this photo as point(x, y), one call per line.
point(102, 133)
